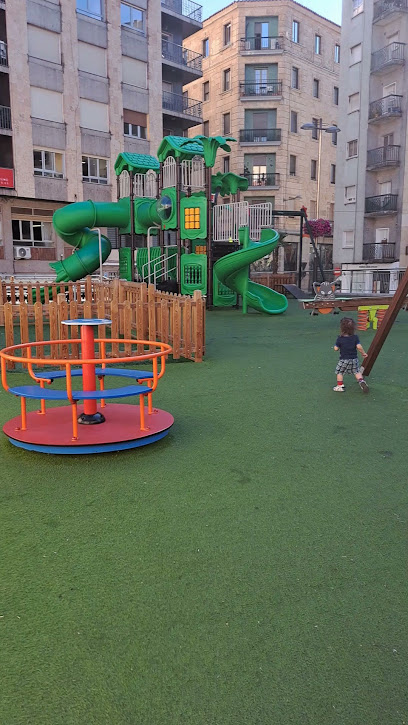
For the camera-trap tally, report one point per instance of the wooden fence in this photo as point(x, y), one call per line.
point(136, 311)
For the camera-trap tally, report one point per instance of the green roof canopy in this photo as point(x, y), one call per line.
point(179, 147)
point(136, 163)
point(228, 183)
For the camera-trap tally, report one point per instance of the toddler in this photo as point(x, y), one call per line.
point(348, 344)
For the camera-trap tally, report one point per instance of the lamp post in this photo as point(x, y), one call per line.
point(319, 127)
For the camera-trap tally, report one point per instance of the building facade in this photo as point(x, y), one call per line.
point(372, 192)
point(268, 68)
point(80, 81)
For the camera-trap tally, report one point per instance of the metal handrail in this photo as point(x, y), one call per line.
point(3, 54)
point(379, 251)
point(387, 106)
point(384, 7)
point(383, 156)
point(187, 8)
point(262, 43)
point(268, 179)
point(381, 203)
point(5, 117)
point(183, 56)
point(256, 88)
point(392, 53)
point(181, 104)
point(259, 135)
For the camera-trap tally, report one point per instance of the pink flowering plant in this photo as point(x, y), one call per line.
point(319, 227)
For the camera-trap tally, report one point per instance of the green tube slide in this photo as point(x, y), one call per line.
point(74, 224)
point(233, 271)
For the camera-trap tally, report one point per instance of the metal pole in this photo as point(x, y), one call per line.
point(300, 253)
point(132, 225)
point(319, 160)
point(178, 233)
point(209, 241)
point(100, 254)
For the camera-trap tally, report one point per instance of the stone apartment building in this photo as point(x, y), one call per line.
point(371, 209)
point(269, 66)
point(80, 81)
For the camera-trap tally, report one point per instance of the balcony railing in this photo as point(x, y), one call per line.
point(259, 135)
point(256, 89)
point(177, 54)
point(3, 53)
point(382, 252)
point(389, 55)
point(388, 106)
point(381, 204)
point(175, 103)
point(383, 156)
point(262, 179)
point(384, 7)
point(262, 44)
point(188, 8)
point(5, 117)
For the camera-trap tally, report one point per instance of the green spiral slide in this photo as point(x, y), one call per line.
point(233, 271)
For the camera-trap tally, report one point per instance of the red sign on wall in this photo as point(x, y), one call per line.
point(7, 178)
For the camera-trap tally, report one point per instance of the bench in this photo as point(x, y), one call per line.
point(36, 393)
point(99, 372)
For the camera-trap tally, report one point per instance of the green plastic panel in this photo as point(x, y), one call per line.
point(193, 217)
point(125, 263)
point(172, 263)
point(193, 273)
point(223, 296)
point(141, 263)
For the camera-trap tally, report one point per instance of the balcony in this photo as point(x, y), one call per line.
point(5, 118)
point(186, 62)
point(186, 109)
point(383, 204)
point(392, 54)
point(255, 181)
point(253, 91)
point(260, 136)
point(383, 252)
point(383, 156)
point(387, 107)
point(3, 54)
point(188, 13)
point(259, 45)
point(385, 7)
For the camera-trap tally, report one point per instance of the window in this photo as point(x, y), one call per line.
point(337, 53)
point(353, 102)
point(295, 78)
point(358, 7)
point(389, 89)
point(93, 8)
point(352, 148)
point(32, 233)
point(226, 80)
point(334, 136)
point(206, 48)
point(295, 31)
point(313, 169)
point(206, 128)
point(133, 18)
point(46, 104)
point(332, 173)
point(94, 170)
point(355, 54)
point(315, 122)
point(227, 34)
point(336, 95)
point(313, 209)
point(348, 239)
point(43, 44)
point(293, 122)
point(93, 115)
point(290, 252)
point(292, 165)
point(388, 140)
point(226, 164)
point(134, 130)
point(48, 163)
point(206, 91)
point(92, 59)
point(316, 88)
point(226, 123)
point(318, 45)
point(350, 194)
point(134, 72)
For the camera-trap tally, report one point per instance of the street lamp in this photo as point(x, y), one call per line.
point(319, 127)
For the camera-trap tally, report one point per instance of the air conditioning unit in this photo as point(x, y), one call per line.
point(22, 252)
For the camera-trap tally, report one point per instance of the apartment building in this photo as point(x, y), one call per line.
point(81, 81)
point(270, 66)
point(371, 210)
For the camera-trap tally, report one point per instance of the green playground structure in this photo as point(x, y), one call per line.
point(211, 246)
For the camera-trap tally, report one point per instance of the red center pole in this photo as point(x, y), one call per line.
point(88, 370)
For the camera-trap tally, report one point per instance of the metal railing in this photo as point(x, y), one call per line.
point(272, 179)
point(188, 8)
point(383, 156)
point(180, 104)
point(262, 44)
point(3, 53)
point(369, 281)
point(390, 54)
point(270, 88)
point(5, 117)
point(384, 7)
point(177, 54)
point(388, 106)
point(380, 204)
point(379, 252)
point(259, 135)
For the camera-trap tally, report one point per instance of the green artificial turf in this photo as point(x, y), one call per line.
point(248, 569)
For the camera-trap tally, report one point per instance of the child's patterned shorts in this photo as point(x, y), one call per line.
point(347, 366)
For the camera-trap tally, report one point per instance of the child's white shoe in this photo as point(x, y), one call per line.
point(339, 389)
